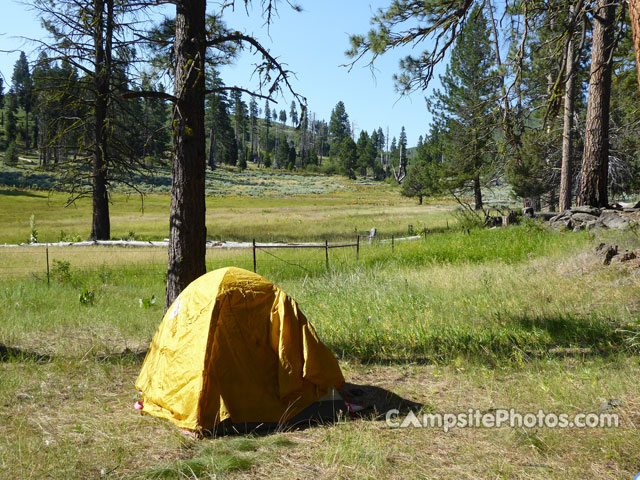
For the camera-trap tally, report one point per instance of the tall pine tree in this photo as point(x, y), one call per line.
point(464, 106)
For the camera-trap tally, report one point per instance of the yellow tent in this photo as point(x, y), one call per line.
point(234, 346)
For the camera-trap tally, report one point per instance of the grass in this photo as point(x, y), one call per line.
point(336, 216)
point(520, 318)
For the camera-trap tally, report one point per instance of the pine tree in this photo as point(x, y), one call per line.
point(464, 106)
point(222, 140)
point(94, 38)
point(426, 175)
point(348, 157)
point(365, 152)
point(291, 159)
point(402, 145)
point(253, 118)
point(593, 187)
point(283, 152)
point(239, 121)
point(58, 103)
point(11, 126)
point(339, 127)
point(23, 88)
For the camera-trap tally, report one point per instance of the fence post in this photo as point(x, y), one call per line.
point(47, 265)
point(254, 255)
point(357, 247)
point(392, 242)
point(326, 253)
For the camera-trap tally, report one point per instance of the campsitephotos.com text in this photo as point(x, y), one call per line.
point(500, 418)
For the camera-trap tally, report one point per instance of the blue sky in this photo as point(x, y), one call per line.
point(312, 43)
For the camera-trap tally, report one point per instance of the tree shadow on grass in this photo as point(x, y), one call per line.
point(510, 337)
point(21, 180)
point(21, 193)
point(16, 354)
point(127, 355)
point(568, 331)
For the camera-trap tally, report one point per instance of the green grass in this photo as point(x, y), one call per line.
point(521, 318)
point(488, 295)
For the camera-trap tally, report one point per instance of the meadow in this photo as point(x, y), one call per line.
point(521, 318)
point(340, 215)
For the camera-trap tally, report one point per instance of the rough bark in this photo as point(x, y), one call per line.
point(595, 160)
point(187, 219)
point(634, 14)
point(103, 38)
point(477, 192)
point(567, 128)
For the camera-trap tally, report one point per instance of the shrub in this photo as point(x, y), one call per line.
point(62, 270)
point(469, 219)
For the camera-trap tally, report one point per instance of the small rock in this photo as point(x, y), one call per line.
point(612, 219)
point(591, 225)
point(584, 217)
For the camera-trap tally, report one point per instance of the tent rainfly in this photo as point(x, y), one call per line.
point(233, 347)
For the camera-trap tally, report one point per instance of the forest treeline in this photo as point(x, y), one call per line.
point(49, 113)
point(46, 101)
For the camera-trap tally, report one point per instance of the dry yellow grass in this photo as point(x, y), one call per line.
point(298, 218)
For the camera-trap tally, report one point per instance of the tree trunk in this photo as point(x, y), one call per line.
point(477, 192)
point(212, 150)
point(595, 160)
point(100, 225)
point(634, 14)
point(187, 219)
point(567, 128)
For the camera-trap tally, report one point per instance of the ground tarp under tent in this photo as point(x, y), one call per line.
point(234, 348)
